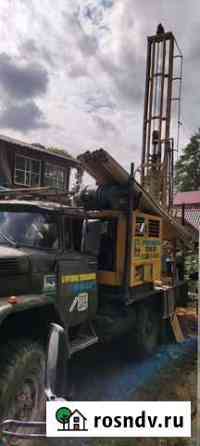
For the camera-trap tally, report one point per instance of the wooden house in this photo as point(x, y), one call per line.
point(33, 165)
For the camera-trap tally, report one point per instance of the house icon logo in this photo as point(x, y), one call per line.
point(70, 421)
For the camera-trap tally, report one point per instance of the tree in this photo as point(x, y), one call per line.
point(63, 415)
point(187, 177)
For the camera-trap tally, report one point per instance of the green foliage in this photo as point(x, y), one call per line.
point(188, 166)
point(52, 149)
point(63, 415)
point(58, 150)
point(191, 263)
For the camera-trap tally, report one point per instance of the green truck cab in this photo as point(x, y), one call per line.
point(40, 250)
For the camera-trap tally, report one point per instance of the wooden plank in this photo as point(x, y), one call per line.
point(176, 328)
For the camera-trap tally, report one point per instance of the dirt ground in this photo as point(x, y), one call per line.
point(178, 381)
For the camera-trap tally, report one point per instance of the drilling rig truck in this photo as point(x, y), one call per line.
point(95, 266)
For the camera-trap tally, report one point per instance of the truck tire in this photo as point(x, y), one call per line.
point(22, 385)
point(148, 328)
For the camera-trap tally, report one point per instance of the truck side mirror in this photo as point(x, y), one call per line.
point(57, 364)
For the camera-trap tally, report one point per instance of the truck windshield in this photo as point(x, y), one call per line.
point(36, 230)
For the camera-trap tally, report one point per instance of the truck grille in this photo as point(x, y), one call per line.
point(9, 267)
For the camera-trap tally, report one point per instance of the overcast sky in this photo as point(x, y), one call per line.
point(72, 71)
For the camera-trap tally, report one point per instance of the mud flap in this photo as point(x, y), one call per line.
point(176, 328)
point(170, 312)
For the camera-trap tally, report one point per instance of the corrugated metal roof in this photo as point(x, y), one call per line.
point(188, 198)
point(192, 216)
point(34, 147)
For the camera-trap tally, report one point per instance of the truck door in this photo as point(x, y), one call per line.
point(77, 288)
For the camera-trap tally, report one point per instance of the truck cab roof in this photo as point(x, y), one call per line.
point(53, 206)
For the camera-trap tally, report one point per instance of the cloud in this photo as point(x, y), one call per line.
point(31, 50)
point(76, 70)
point(99, 101)
point(107, 3)
point(22, 117)
point(104, 125)
point(85, 43)
point(20, 84)
point(93, 13)
point(125, 79)
point(22, 81)
point(81, 68)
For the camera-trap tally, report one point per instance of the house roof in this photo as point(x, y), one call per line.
point(188, 198)
point(76, 411)
point(38, 148)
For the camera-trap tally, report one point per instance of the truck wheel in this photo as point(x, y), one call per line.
point(22, 385)
point(148, 328)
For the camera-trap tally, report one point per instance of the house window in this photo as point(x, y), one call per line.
point(27, 171)
point(54, 176)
